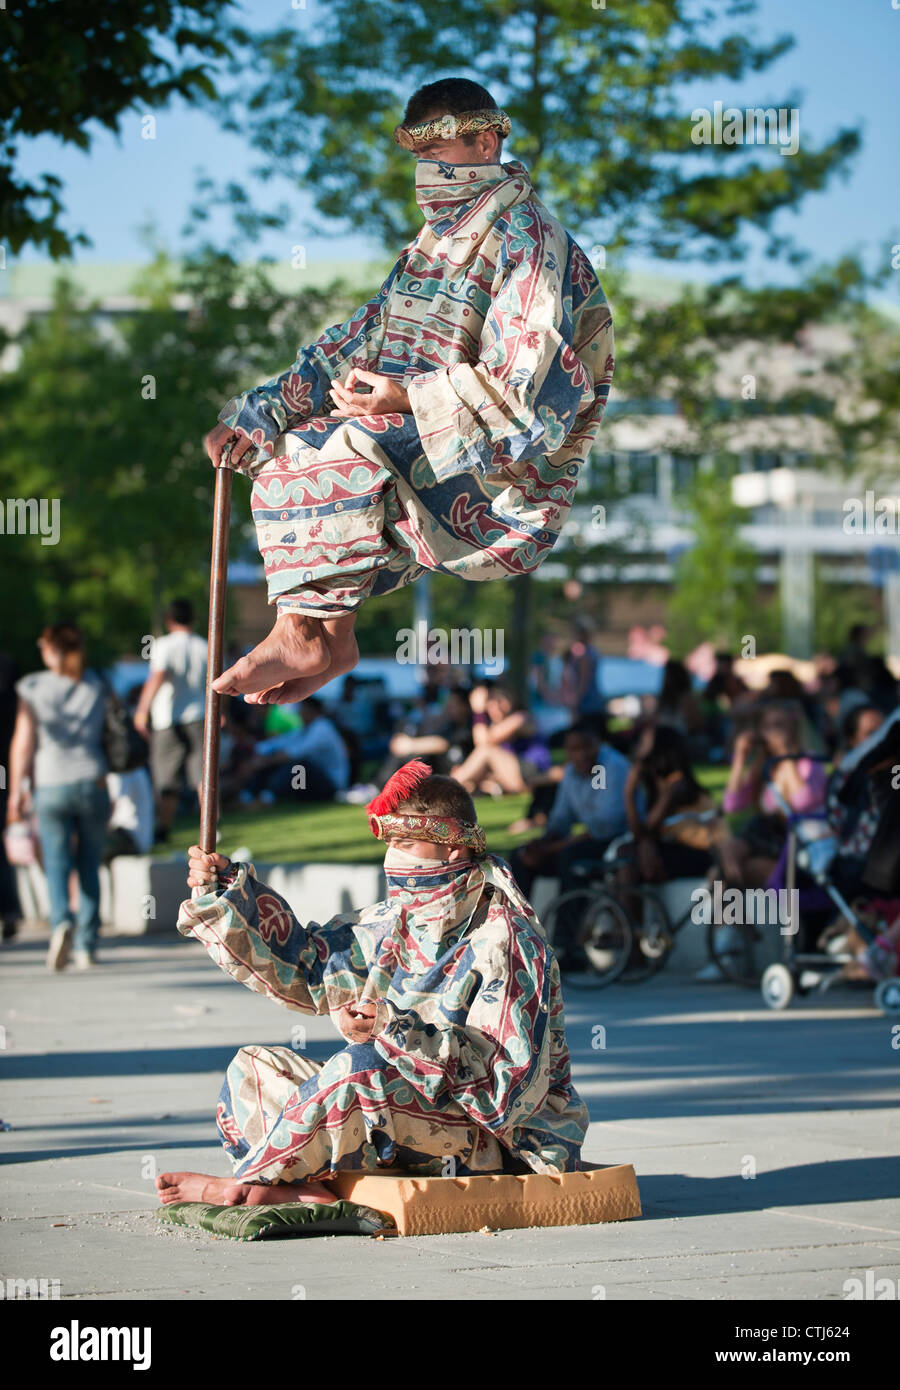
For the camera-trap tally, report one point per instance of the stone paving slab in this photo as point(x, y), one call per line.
point(765, 1145)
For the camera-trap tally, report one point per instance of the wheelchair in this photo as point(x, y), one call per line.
point(621, 944)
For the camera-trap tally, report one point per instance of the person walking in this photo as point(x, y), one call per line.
point(170, 711)
point(57, 757)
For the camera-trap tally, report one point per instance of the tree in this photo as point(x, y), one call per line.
point(68, 63)
point(715, 597)
point(113, 428)
point(599, 101)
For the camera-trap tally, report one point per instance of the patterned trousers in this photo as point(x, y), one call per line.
point(283, 1117)
point(349, 510)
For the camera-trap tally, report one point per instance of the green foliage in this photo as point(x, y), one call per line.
point(331, 833)
point(837, 608)
point(715, 597)
point(600, 101)
point(114, 428)
point(70, 63)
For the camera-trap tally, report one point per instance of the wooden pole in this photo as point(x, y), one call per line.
point(218, 578)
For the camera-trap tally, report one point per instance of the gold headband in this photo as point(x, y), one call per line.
point(449, 127)
point(437, 830)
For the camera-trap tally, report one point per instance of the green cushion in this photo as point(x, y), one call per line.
point(279, 1222)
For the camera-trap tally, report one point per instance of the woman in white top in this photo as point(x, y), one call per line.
point(57, 748)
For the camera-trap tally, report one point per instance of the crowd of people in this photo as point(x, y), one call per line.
point(598, 777)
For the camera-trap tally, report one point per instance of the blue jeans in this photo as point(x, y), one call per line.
point(75, 811)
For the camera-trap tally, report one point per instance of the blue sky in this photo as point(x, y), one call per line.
point(843, 68)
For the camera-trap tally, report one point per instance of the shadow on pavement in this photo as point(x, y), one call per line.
point(810, 1184)
point(167, 1061)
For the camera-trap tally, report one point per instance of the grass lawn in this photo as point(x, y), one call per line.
point(340, 834)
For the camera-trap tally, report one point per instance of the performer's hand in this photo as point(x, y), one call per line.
point(387, 396)
point(203, 867)
point(216, 441)
point(356, 1021)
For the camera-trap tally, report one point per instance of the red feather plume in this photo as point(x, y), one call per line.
point(398, 787)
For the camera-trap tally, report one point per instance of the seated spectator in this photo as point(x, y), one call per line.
point(238, 741)
point(309, 763)
point(441, 737)
point(508, 754)
point(543, 791)
point(592, 794)
point(661, 785)
point(354, 711)
point(859, 722)
point(774, 751)
point(785, 689)
point(868, 673)
point(131, 821)
point(723, 693)
point(676, 705)
point(837, 697)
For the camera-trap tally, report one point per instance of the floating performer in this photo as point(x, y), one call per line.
point(442, 427)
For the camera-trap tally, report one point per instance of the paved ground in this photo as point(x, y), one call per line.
point(111, 1076)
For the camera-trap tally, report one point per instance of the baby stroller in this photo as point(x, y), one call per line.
point(850, 851)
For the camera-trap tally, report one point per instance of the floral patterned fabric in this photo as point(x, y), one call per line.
point(495, 323)
point(467, 1059)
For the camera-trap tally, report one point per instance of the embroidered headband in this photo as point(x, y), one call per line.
point(449, 127)
point(439, 830)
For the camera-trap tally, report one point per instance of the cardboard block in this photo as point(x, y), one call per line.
point(432, 1206)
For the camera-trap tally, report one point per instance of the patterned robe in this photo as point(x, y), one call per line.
point(494, 321)
point(466, 1069)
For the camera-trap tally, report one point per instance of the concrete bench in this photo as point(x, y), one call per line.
point(141, 893)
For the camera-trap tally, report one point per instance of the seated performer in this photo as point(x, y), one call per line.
point(443, 426)
point(447, 993)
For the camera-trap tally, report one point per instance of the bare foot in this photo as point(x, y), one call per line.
point(228, 1192)
point(296, 646)
point(343, 656)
